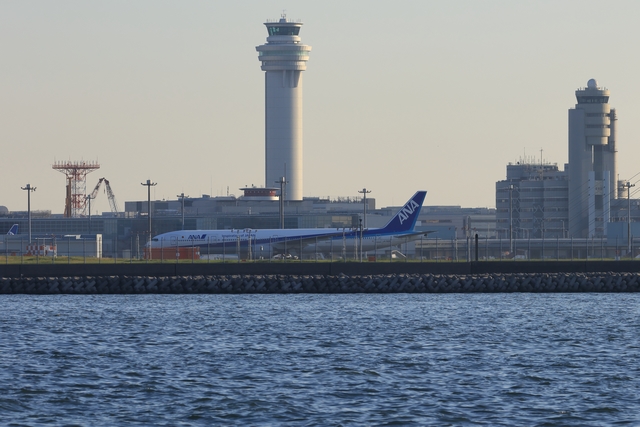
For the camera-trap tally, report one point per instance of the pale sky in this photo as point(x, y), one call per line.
point(398, 96)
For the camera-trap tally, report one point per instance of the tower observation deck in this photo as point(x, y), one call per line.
point(283, 59)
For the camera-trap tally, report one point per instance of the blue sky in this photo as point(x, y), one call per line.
point(398, 96)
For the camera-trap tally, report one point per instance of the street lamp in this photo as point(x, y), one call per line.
point(364, 193)
point(88, 197)
point(29, 189)
point(361, 241)
point(283, 185)
point(149, 184)
point(629, 185)
point(511, 188)
point(181, 195)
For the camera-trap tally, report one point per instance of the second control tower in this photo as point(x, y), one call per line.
point(592, 161)
point(284, 58)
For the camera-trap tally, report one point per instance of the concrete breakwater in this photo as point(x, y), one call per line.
point(288, 284)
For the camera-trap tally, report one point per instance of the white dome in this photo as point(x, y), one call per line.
point(592, 84)
point(4, 210)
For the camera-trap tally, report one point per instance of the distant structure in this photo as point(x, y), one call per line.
point(76, 173)
point(112, 198)
point(538, 200)
point(533, 201)
point(283, 59)
point(592, 161)
point(259, 193)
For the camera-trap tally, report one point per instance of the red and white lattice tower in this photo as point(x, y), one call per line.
point(76, 172)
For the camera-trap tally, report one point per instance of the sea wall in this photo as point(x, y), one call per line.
point(288, 284)
point(111, 268)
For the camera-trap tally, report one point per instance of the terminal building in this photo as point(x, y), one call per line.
point(533, 201)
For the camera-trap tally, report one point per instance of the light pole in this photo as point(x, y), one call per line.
point(283, 185)
point(181, 195)
point(511, 219)
point(364, 193)
point(361, 241)
point(29, 189)
point(629, 185)
point(149, 184)
point(88, 197)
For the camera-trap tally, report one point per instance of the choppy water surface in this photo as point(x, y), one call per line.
point(495, 359)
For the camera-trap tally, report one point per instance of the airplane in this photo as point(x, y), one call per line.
point(13, 230)
point(399, 230)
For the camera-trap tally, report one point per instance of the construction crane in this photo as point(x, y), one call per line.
point(110, 195)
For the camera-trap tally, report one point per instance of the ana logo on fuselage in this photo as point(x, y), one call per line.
point(196, 237)
point(407, 210)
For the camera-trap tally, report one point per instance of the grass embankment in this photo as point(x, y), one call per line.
point(94, 260)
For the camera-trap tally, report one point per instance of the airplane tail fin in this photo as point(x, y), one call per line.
point(405, 219)
point(13, 230)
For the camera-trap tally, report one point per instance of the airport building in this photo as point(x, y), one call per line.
point(125, 235)
point(533, 201)
point(536, 202)
point(583, 201)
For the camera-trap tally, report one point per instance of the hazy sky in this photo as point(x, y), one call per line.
point(398, 96)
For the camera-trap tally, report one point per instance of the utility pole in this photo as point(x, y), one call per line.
point(29, 189)
point(629, 185)
point(283, 185)
point(364, 193)
point(181, 196)
point(149, 184)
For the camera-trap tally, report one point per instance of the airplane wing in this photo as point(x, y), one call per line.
point(297, 244)
point(414, 235)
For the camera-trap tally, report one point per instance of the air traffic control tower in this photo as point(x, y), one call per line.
point(284, 58)
point(592, 161)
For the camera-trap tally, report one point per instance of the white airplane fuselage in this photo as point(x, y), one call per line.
point(268, 242)
point(296, 241)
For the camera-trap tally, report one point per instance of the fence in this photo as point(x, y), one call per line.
point(375, 249)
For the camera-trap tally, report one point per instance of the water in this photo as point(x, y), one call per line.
point(494, 359)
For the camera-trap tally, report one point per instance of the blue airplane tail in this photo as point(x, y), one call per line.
point(405, 219)
point(13, 230)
